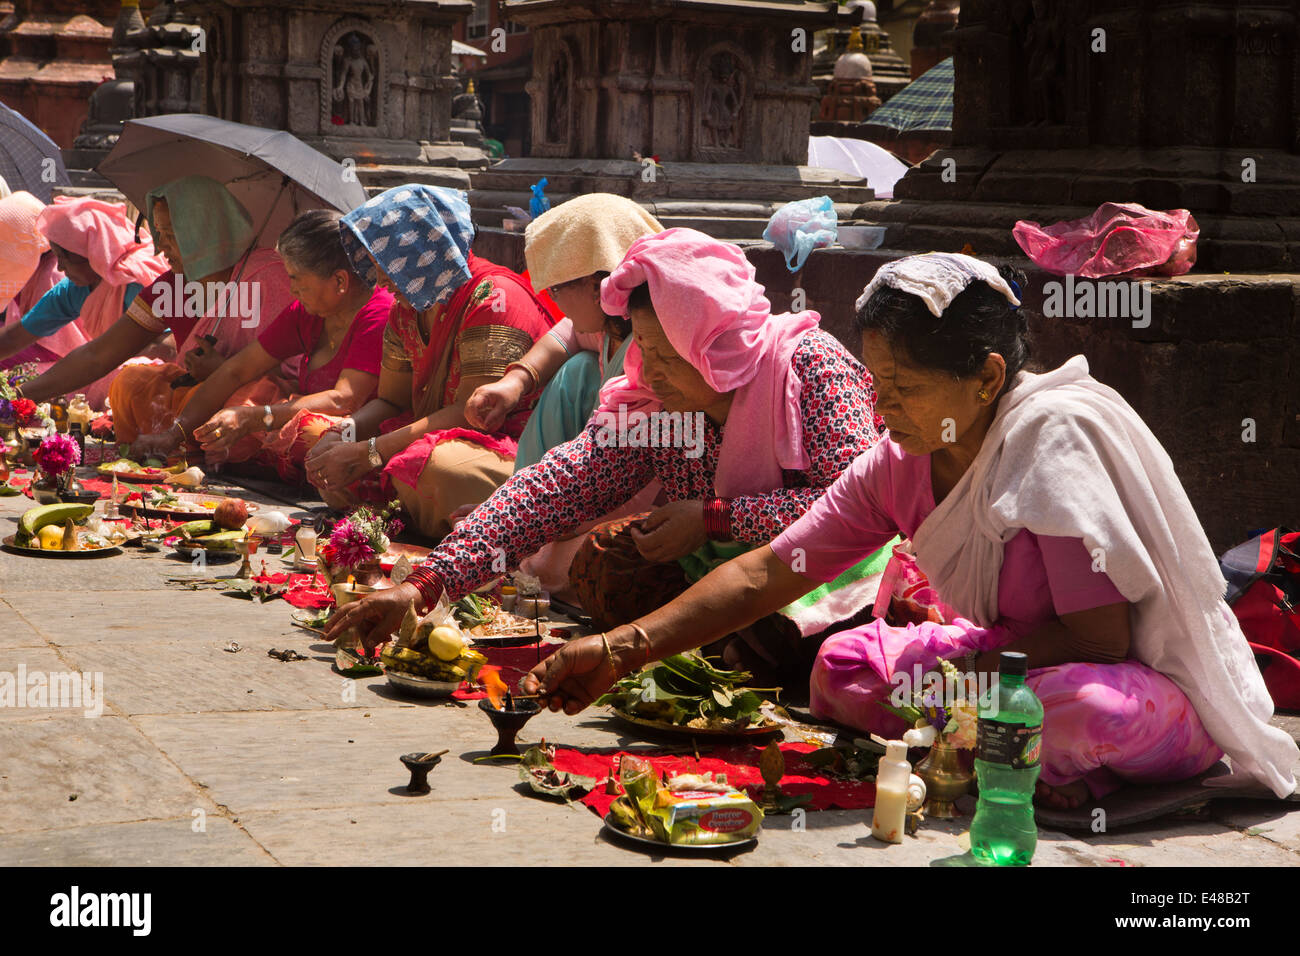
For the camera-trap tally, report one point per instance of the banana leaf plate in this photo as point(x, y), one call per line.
point(42, 553)
point(192, 551)
point(612, 826)
point(699, 733)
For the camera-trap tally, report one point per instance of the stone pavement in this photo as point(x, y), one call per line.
point(204, 757)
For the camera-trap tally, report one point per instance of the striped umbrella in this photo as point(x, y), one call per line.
point(29, 160)
point(924, 104)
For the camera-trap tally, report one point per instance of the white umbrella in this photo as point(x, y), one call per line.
point(877, 165)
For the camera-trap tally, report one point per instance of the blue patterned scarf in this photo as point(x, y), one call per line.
point(420, 236)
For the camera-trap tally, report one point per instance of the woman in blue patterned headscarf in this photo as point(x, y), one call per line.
point(458, 321)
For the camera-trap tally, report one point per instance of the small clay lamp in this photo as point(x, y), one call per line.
point(508, 721)
point(420, 765)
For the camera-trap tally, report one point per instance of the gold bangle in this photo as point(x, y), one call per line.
point(609, 655)
point(532, 374)
point(640, 633)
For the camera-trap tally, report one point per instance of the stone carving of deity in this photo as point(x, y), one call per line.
point(354, 79)
point(723, 102)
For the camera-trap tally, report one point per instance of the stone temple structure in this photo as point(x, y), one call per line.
point(1193, 104)
point(719, 91)
point(363, 80)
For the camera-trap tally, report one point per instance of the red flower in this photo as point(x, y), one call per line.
point(24, 409)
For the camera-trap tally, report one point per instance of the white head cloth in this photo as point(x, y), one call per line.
point(936, 278)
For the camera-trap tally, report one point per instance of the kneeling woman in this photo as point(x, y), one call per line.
point(457, 322)
point(1044, 512)
point(335, 327)
point(782, 409)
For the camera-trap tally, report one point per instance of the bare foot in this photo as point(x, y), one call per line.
point(1068, 796)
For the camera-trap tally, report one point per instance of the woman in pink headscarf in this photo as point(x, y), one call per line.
point(744, 417)
point(104, 268)
point(29, 268)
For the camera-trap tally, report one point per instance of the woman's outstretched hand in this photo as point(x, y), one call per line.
point(573, 677)
point(376, 616)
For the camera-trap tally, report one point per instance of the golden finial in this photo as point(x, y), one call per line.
point(855, 40)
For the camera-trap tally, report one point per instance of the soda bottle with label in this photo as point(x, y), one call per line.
point(1010, 737)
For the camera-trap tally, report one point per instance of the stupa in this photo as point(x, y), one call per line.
point(888, 70)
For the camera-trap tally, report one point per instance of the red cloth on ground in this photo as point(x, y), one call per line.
point(305, 590)
point(22, 478)
point(740, 764)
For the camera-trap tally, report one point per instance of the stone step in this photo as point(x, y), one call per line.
point(376, 179)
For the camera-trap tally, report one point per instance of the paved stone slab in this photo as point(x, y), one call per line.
point(1275, 822)
point(286, 760)
point(196, 675)
point(15, 631)
point(115, 774)
point(70, 618)
point(154, 843)
point(422, 831)
point(1192, 843)
point(38, 683)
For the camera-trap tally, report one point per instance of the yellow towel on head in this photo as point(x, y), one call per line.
point(585, 235)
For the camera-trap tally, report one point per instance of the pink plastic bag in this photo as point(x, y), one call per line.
point(906, 596)
point(1118, 238)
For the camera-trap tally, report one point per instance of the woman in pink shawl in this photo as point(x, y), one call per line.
point(1048, 520)
point(744, 417)
point(104, 269)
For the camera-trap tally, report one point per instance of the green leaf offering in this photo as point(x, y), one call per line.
point(686, 690)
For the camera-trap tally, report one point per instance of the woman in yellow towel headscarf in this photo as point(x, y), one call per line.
point(569, 250)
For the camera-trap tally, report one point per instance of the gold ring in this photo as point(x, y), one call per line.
point(216, 433)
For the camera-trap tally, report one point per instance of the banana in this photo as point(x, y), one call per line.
point(191, 529)
point(37, 518)
point(224, 541)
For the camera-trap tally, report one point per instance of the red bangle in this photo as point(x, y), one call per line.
point(717, 519)
point(428, 583)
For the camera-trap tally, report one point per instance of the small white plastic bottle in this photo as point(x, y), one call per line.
point(892, 778)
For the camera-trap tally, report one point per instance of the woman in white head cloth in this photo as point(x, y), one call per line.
point(1048, 519)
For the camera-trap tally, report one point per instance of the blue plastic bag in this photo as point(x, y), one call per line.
point(799, 227)
point(539, 203)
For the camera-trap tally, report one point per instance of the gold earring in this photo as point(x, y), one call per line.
point(984, 395)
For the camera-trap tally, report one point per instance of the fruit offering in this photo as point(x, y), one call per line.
point(433, 648)
point(65, 527)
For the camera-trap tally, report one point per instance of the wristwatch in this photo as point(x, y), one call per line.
point(376, 460)
point(269, 418)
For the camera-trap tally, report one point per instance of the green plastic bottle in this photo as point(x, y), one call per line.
point(1010, 736)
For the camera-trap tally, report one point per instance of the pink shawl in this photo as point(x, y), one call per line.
point(717, 318)
point(101, 233)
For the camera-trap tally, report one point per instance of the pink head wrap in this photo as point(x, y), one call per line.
point(717, 318)
point(21, 243)
point(101, 233)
